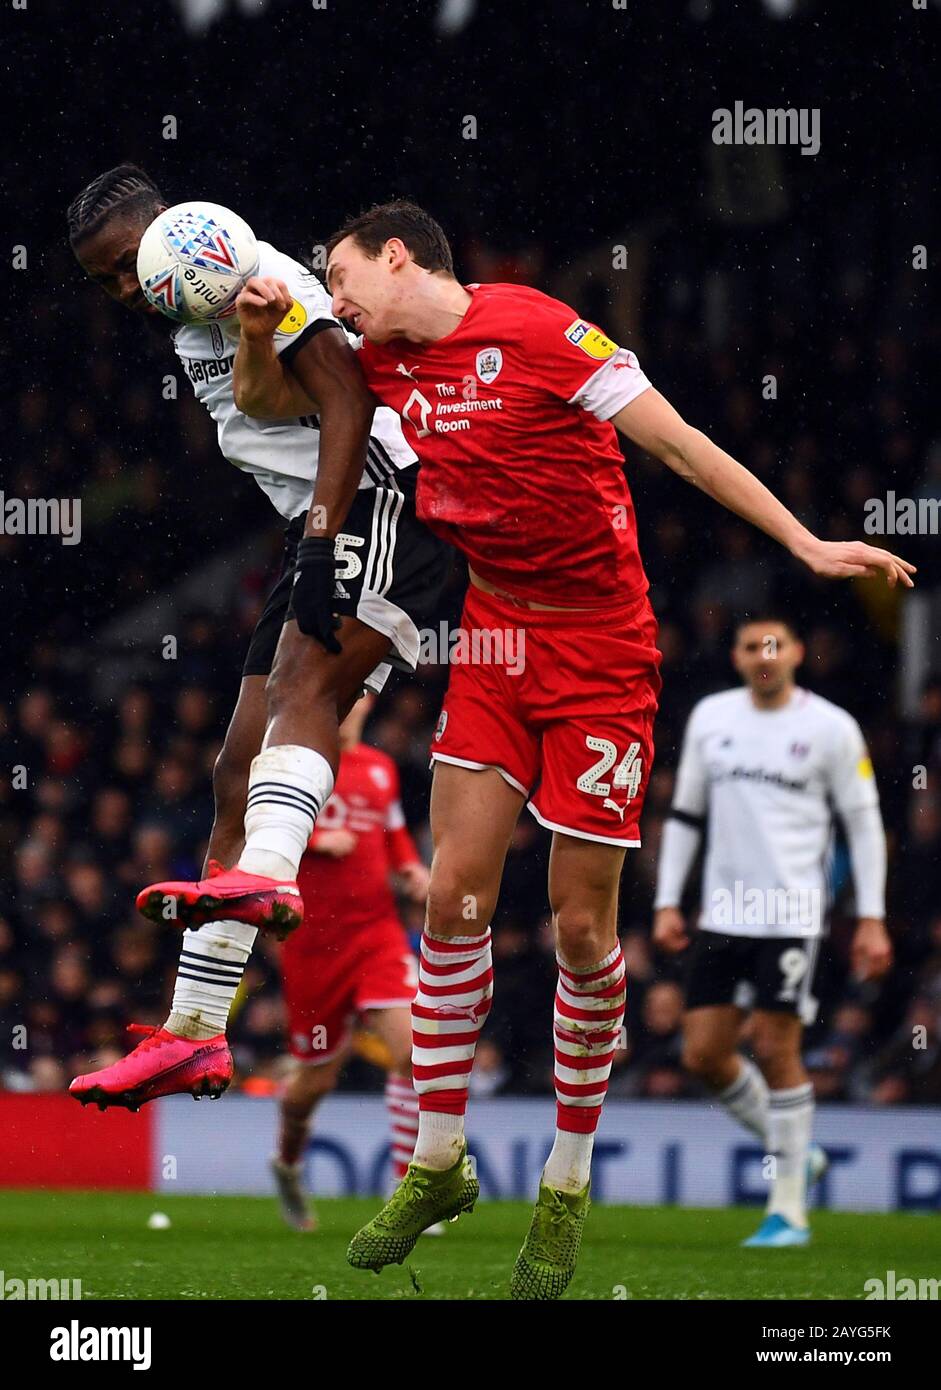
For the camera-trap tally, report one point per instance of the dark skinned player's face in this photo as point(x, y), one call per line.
point(109, 257)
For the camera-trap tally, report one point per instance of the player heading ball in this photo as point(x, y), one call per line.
point(360, 579)
point(532, 489)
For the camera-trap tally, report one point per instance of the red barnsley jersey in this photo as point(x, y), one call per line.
point(342, 895)
point(520, 468)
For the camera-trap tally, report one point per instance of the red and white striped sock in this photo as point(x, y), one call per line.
point(402, 1108)
point(455, 987)
point(589, 1013)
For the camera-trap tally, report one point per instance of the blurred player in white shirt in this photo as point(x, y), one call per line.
point(763, 769)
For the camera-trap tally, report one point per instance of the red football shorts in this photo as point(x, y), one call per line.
point(562, 704)
point(325, 989)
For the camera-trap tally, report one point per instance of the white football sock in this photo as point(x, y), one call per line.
point(790, 1124)
point(747, 1099)
point(212, 961)
point(568, 1166)
point(287, 788)
point(440, 1139)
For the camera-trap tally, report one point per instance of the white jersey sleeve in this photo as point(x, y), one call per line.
point(311, 309)
point(865, 836)
point(853, 790)
point(849, 773)
point(691, 793)
point(683, 828)
point(613, 386)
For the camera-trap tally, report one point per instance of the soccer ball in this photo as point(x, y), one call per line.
point(193, 259)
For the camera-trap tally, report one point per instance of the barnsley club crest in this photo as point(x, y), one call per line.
point(489, 363)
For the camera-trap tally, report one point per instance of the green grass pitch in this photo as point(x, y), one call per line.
point(233, 1247)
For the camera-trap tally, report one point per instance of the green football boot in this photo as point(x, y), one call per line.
point(423, 1197)
point(547, 1260)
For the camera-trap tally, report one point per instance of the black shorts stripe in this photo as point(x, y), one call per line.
point(380, 547)
point(394, 525)
point(373, 471)
point(375, 466)
point(383, 462)
point(382, 572)
point(373, 538)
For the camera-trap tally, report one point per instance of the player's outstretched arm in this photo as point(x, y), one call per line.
point(653, 424)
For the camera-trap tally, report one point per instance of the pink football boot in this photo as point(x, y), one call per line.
point(161, 1065)
point(231, 895)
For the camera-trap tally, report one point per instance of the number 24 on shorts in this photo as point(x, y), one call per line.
point(627, 774)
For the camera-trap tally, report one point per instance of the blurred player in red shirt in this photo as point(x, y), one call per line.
point(512, 403)
point(350, 962)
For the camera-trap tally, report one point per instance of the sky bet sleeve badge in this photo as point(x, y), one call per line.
point(591, 340)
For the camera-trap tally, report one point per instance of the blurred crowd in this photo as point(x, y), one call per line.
point(775, 304)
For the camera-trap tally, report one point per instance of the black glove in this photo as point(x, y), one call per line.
point(312, 595)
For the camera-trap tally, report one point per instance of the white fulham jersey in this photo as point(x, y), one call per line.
point(767, 782)
point(281, 454)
